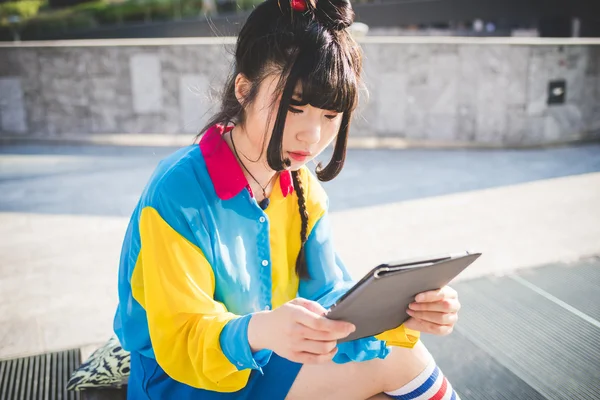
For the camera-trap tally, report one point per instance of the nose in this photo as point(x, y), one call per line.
point(311, 134)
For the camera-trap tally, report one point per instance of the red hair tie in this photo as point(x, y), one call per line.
point(299, 5)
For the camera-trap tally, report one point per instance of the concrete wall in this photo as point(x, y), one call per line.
point(475, 90)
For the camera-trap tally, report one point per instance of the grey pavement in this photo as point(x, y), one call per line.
point(519, 338)
point(107, 180)
point(530, 303)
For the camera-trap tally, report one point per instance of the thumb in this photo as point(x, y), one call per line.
point(310, 305)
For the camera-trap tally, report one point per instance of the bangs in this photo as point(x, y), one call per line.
point(328, 81)
point(328, 75)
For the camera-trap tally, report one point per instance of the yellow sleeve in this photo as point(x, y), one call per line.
point(175, 285)
point(400, 337)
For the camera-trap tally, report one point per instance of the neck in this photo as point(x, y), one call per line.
point(253, 163)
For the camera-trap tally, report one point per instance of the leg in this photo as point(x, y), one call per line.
point(360, 380)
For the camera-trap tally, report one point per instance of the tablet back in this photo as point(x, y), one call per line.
point(379, 303)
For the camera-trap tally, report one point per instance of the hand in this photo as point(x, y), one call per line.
point(298, 331)
point(434, 312)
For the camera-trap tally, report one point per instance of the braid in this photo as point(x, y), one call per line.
point(301, 267)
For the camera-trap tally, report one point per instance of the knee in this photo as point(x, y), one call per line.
point(403, 365)
point(418, 355)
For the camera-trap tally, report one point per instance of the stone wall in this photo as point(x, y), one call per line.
point(487, 91)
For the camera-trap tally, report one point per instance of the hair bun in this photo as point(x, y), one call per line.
point(334, 14)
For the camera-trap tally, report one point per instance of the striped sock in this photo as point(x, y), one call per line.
point(431, 384)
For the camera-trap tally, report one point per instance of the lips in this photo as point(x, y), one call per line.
point(299, 155)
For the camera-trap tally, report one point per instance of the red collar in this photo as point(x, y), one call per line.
point(225, 171)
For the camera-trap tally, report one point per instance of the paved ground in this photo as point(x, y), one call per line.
point(533, 213)
point(533, 335)
point(106, 180)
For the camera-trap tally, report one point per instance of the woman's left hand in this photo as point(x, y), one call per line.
point(434, 312)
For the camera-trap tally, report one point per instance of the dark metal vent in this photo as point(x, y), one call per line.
point(42, 377)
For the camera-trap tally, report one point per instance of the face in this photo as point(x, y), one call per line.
point(308, 130)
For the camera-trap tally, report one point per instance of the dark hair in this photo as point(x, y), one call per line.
point(312, 48)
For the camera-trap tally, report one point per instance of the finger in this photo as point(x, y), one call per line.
point(436, 295)
point(309, 358)
point(310, 305)
point(311, 320)
point(439, 318)
point(317, 347)
point(428, 327)
point(305, 332)
point(446, 305)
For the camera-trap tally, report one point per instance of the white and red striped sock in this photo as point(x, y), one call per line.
point(431, 384)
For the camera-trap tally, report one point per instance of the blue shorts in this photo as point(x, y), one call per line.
point(147, 380)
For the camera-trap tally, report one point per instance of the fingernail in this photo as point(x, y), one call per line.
point(420, 297)
point(410, 312)
point(352, 328)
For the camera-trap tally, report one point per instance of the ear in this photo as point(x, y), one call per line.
point(242, 88)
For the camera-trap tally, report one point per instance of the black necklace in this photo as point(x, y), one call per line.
point(264, 203)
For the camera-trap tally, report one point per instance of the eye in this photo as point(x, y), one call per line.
point(295, 110)
point(331, 116)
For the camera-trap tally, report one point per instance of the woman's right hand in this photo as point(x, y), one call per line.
point(298, 331)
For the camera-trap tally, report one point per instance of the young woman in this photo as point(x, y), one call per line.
point(228, 265)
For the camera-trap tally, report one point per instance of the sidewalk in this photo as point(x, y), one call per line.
point(58, 273)
point(515, 227)
point(361, 142)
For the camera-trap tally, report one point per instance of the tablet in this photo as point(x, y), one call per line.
point(378, 302)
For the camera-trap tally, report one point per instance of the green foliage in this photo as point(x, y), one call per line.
point(23, 9)
point(37, 18)
point(57, 21)
point(106, 13)
point(191, 8)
